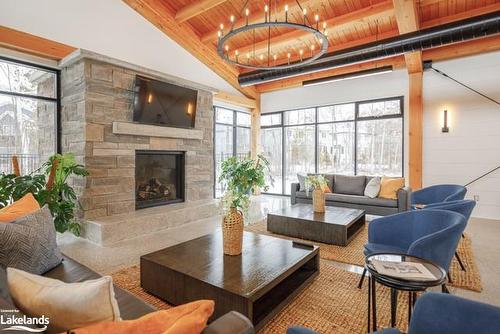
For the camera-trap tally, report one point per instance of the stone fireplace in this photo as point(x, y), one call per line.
point(159, 178)
point(134, 168)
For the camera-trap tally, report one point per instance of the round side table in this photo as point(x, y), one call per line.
point(412, 286)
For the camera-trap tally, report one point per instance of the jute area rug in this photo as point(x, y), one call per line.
point(331, 303)
point(353, 254)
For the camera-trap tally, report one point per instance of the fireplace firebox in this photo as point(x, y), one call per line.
point(159, 178)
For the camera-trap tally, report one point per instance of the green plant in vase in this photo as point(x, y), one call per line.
point(242, 177)
point(318, 184)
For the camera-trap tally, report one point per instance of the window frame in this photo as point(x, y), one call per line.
point(355, 120)
point(234, 125)
point(56, 99)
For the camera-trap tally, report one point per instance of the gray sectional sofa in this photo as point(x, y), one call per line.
point(348, 191)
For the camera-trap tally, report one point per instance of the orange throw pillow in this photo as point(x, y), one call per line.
point(20, 208)
point(189, 318)
point(389, 187)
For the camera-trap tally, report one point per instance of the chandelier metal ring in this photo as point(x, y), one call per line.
point(322, 38)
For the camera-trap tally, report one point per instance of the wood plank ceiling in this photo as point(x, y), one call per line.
point(194, 25)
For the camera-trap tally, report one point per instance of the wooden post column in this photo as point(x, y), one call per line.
point(415, 129)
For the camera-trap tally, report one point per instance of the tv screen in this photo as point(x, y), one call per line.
point(161, 103)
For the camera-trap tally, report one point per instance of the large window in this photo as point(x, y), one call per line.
point(28, 114)
point(232, 138)
point(364, 138)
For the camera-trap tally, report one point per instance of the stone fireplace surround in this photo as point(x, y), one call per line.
point(96, 125)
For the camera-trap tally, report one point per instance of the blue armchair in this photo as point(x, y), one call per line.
point(438, 193)
point(437, 313)
point(428, 234)
point(463, 207)
point(446, 314)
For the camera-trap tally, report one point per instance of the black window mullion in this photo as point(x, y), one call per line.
point(356, 110)
point(283, 160)
point(316, 137)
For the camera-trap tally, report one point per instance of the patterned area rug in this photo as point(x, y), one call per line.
point(331, 303)
point(353, 254)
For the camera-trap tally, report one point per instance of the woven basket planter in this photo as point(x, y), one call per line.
point(232, 232)
point(318, 197)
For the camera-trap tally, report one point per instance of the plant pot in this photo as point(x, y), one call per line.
point(318, 197)
point(232, 232)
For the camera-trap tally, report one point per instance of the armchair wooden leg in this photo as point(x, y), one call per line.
point(460, 261)
point(360, 284)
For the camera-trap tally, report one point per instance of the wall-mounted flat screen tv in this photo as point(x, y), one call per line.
point(164, 104)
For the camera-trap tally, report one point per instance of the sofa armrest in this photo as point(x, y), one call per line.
point(230, 323)
point(294, 189)
point(404, 199)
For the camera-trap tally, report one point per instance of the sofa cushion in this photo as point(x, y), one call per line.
point(389, 187)
point(188, 318)
point(302, 194)
point(361, 200)
point(29, 243)
point(20, 208)
point(302, 181)
point(67, 305)
point(372, 187)
point(350, 185)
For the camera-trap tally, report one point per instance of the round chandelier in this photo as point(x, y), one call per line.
point(274, 57)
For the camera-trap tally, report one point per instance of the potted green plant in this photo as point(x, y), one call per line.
point(242, 177)
point(318, 184)
point(49, 185)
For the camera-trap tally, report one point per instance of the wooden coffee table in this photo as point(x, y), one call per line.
point(336, 226)
point(258, 283)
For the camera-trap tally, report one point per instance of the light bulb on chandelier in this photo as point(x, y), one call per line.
point(266, 47)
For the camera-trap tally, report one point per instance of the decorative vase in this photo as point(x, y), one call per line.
point(318, 197)
point(232, 232)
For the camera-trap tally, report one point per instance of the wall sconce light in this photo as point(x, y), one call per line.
point(150, 98)
point(445, 127)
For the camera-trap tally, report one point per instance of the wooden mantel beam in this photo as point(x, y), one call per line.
point(161, 16)
point(367, 14)
point(196, 8)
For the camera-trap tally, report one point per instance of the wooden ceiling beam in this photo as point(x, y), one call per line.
point(34, 45)
point(235, 100)
point(354, 18)
point(196, 8)
point(452, 51)
point(461, 16)
point(406, 13)
point(156, 12)
point(463, 49)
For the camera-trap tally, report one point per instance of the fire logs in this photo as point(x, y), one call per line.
point(155, 189)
